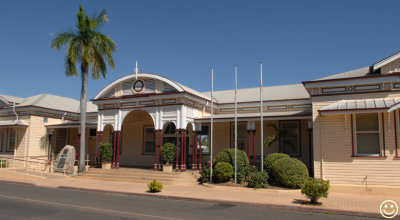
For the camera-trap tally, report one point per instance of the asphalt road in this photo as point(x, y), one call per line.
point(21, 201)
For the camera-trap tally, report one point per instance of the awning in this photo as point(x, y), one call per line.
point(361, 106)
point(277, 115)
point(12, 123)
point(72, 125)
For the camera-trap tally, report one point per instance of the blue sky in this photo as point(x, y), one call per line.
point(296, 40)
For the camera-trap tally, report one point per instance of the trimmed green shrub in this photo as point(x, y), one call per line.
point(228, 155)
point(244, 173)
point(223, 172)
point(155, 186)
point(106, 151)
point(289, 172)
point(168, 152)
point(258, 180)
point(271, 158)
point(315, 189)
point(204, 175)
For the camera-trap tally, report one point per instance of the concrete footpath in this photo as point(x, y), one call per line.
point(348, 200)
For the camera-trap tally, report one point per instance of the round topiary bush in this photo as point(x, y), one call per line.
point(315, 189)
point(228, 155)
point(289, 172)
point(271, 158)
point(258, 180)
point(168, 152)
point(223, 172)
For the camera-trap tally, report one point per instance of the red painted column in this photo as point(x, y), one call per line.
point(159, 149)
point(184, 150)
point(155, 151)
point(97, 149)
point(177, 150)
point(118, 146)
point(181, 149)
point(254, 147)
point(78, 146)
point(114, 150)
point(200, 152)
point(194, 149)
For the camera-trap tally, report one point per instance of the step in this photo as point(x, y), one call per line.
point(135, 175)
point(144, 181)
point(140, 171)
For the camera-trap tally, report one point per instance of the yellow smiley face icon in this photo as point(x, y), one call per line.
point(389, 209)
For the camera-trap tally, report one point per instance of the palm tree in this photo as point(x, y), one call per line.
point(91, 49)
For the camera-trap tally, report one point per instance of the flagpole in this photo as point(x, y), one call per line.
point(235, 123)
point(261, 119)
point(212, 122)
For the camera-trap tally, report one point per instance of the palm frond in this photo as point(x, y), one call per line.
point(62, 39)
point(98, 21)
point(98, 65)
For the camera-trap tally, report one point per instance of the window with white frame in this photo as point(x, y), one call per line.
point(367, 131)
point(289, 140)
point(148, 139)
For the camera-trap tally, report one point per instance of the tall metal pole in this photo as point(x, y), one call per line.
point(261, 119)
point(235, 123)
point(212, 122)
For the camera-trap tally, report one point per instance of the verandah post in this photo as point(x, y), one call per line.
point(155, 151)
point(194, 150)
point(114, 149)
point(177, 150)
point(200, 151)
point(254, 147)
point(118, 146)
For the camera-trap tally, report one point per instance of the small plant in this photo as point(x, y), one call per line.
point(106, 151)
point(155, 186)
point(223, 172)
point(258, 180)
point(315, 189)
point(289, 172)
point(271, 158)
point(244, 173)
point(204, 175)
point(168, 152)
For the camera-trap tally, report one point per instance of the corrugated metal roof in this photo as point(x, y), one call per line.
point(194, 92)
point(57, 103)
point(50, 101)
point(350, 74)
point(284, 92)
point(12, 99)
point(362, 104)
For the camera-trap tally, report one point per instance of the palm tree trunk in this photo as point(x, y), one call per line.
point(84, 69)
